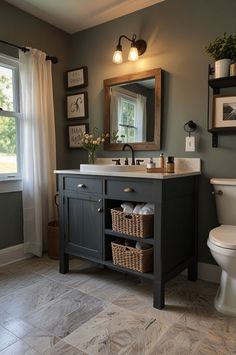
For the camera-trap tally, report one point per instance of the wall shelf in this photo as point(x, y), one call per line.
point(214, 88)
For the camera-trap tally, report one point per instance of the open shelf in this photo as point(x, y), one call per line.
point(148, 275)
point(229, 81)
point(125, 236)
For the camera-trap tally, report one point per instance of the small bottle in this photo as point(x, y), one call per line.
point(170, 165)
point(151, 164)
point(162, 161)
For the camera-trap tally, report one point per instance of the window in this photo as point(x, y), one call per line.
point(127, 119)
point(9, 119)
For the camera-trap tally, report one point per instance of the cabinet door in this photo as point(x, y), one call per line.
point(83, 225)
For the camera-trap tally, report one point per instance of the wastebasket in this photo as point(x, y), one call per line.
point(53, 235)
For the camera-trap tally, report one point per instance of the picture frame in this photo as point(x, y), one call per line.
point(77, 78)
point(224, 112)
point(74, 132)
point(77, 105)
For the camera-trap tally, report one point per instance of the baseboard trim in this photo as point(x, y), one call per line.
point(209, 272)
point(13, 254)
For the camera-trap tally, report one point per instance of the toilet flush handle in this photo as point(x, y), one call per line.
point(218, 192)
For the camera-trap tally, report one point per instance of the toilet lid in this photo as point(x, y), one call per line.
point(224, 236)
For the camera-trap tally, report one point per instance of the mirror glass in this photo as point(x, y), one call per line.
point(132, 110)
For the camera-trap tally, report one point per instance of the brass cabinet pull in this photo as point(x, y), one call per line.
point(81, 186)
point(100, 210)
point(128, 189)
point(219, 192)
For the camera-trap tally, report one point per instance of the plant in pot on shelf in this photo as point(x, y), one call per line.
point(223, 50)
point(92, 142)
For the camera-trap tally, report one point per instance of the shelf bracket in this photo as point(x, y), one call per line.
point(214, 140)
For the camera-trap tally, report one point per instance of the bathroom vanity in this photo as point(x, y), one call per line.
point(86, 200)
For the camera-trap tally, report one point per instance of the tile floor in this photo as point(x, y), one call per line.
point(92, 311)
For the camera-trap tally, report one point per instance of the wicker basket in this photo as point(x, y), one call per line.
point(132, 258)
point(137, 225)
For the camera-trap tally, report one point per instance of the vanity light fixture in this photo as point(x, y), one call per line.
point(138, 47)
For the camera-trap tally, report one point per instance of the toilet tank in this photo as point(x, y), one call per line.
point(225, 196)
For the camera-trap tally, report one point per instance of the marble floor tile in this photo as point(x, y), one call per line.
point(17, 326)
point(6, 338)
point(113, 331)
point(29, 298)
point(218, 342)
point(178, 339)
point(19, 348)
point(62, 348)
point(92, 310)
point(107, 286)
point(65, 314)
point(40, 340)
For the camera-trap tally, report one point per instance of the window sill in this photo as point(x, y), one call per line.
point(12, 185)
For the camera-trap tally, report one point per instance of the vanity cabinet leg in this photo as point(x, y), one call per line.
point(64, 263)
point(159, 295)
point(193, 271)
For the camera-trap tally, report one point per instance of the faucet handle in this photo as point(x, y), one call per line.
point(138, 161)
point(126, 161)
point(117, 161)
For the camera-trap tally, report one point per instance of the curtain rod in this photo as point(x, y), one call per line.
point(54, 60)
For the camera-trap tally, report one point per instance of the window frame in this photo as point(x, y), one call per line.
point(13, 64)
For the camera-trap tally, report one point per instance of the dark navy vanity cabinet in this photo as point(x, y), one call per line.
point(86, 228)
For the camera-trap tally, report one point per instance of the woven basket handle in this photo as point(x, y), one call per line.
point(128, 216)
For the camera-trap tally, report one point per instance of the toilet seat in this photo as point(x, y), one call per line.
point(224, 236)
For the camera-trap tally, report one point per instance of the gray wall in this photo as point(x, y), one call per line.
point(20, 28)
point(176, 33)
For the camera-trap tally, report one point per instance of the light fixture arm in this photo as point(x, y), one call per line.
point(140, 44)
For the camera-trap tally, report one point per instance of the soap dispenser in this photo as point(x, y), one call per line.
point(162, 161)
point(151, 164)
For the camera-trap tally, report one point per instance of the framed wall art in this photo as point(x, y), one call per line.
point(75, 132)
point(224, 111)
point(77, 105)
point(77, 78)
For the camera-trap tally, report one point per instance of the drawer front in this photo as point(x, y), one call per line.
point(130, 190)
point(81, 184)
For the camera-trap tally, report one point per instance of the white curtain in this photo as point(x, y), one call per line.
point(38, 145)
point(115, 110)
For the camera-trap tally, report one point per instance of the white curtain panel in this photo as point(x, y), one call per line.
point(38, 148)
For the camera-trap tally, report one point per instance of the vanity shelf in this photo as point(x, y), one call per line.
point(147, 275)
point(86, 200)
point(110, 232)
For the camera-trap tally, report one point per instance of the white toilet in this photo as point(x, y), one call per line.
point(222, 243)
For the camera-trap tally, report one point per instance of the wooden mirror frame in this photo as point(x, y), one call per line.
point(129, 78)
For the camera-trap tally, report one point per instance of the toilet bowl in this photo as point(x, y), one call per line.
point(222, 244)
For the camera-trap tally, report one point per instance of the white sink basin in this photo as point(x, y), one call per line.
point(111, 168)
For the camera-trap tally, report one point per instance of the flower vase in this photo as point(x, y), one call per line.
point(91, 157)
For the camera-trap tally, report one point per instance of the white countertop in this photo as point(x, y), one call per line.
point(136, 174)
point(183, 167)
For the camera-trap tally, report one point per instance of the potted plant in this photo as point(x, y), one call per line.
point(223, 50)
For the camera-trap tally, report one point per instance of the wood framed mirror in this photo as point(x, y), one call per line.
point(133, 110)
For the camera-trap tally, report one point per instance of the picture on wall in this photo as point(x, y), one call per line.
point(77, 78)
point(77, 105)
point(75, 133)
point(224, 111)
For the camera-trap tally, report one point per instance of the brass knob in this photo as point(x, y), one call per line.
point(100, 210)
point(81, 186)
point(128, 189)
point(219, 192)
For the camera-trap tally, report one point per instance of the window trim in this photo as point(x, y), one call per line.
point(13, 64)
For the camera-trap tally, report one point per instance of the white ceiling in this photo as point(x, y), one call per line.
point(76, 15)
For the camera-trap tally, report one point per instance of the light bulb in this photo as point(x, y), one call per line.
point(133, 54)
point(117, 57)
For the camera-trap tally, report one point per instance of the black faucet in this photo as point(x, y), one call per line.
point(132, 151)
